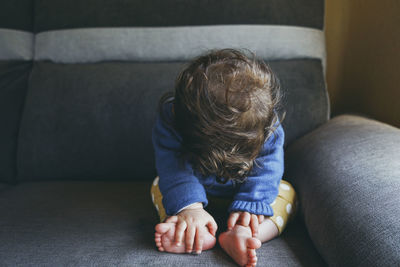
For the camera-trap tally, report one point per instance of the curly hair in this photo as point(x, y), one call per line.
point(224, 106)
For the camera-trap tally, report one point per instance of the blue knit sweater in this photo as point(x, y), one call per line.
point(180, 185)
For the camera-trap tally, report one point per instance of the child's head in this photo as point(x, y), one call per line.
point(224, 106)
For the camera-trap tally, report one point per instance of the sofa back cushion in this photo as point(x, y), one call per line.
point(16, 49)
point(99, 72)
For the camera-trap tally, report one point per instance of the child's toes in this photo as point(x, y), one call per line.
point(157, 237)
point(159, 246)
point(253, 243)
point(252, 257)
point(157, 240)
point(251, 252)
point(158, 243)
point(162, 228)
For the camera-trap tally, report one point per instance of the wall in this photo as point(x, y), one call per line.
point(363, 49)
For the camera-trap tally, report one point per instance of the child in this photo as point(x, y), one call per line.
point(219, 134)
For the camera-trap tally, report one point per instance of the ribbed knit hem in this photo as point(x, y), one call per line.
point(259, 208)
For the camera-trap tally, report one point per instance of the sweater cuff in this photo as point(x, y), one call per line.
point(183, 195)
point(258, 208)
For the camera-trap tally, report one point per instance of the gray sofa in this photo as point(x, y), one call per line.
point(79, 84)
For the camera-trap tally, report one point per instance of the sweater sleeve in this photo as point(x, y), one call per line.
point(261, 186)
point(178, 184)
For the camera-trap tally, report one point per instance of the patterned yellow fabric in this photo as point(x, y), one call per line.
point(284, 206)
point(156, 196)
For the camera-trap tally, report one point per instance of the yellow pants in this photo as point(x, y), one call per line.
point(284, 206)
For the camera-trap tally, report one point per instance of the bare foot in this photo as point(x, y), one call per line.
point(267, 230)
point(165, 234)
point(240, 245)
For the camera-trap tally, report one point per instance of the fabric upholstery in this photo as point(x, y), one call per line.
point(16, 45)
point(16, 18)
point(93, 121)
point(347, 175)
point(183, 43)
point(4, 186)
point(111, 224)
point(52, 15)
point(19, 19)
point(16, 15)
point(13, 84)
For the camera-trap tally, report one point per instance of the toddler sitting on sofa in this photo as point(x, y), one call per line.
point(219, 134)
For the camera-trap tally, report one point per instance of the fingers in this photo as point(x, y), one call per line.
point(254, 225)
point(172, 219)
point(179, 232)
point(194, 239)
point(190, 234)
point(233, 219)
point(199, 240)
point(212, 227)
point(245, 218)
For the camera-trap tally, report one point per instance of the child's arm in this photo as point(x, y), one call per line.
point(178, 184)
point(183, 194)
point(261, 187)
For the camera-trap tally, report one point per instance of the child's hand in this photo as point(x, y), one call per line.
point(194, 219)
point(246, 219)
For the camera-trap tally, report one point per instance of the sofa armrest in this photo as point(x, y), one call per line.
point(347, 175)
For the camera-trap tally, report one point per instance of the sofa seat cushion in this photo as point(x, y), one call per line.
point(80, 223)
